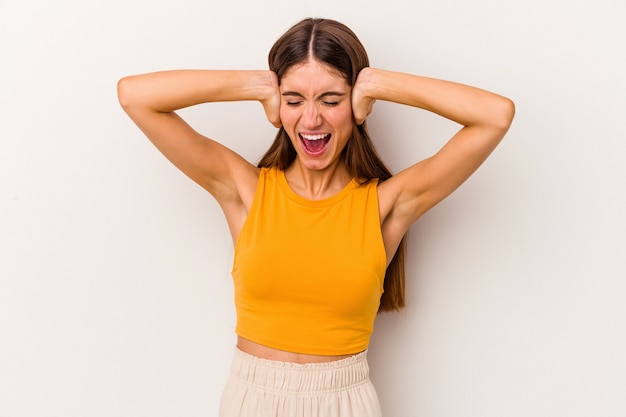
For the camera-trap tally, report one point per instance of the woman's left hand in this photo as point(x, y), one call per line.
point(362, 102)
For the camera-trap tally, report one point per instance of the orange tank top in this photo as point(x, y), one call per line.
point(308, 274)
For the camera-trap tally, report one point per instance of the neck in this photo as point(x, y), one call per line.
point(317, 184)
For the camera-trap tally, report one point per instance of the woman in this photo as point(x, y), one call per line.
point(318, 225)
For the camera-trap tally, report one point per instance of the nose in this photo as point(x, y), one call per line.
point(311, 117)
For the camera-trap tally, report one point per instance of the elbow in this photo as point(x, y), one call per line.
point(503, 116)
point(125, 94)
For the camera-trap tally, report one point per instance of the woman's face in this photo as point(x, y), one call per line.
point(316, 112)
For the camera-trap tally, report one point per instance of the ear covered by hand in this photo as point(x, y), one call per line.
point(362, 104)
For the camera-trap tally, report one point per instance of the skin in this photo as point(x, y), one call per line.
point(313, 100)
point(316, 101)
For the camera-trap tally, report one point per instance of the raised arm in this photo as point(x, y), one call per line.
point(152, 99)
point(485, 118)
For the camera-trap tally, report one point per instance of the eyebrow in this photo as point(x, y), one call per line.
point(323, 95)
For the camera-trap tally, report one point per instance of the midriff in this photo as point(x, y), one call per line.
point(265, 352)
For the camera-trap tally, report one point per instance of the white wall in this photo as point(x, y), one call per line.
point(115, 293)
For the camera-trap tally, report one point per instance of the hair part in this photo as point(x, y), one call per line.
point(335, 45)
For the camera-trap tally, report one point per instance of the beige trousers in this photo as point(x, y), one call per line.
point(265, 388)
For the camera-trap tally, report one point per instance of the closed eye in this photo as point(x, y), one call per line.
point(295, 99)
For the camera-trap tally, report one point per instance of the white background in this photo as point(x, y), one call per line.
point(115, 288)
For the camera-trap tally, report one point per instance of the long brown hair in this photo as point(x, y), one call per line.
point(334, 44)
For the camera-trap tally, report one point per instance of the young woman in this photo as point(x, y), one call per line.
point(318, 225)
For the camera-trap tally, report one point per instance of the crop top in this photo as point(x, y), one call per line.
point(308, 274)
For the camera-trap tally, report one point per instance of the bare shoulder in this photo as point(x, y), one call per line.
point(401, 203)
point(247, 180)
point(392, 197)
point(238, 186)
point(388, 192)
point(236, 198)
point(393, 226)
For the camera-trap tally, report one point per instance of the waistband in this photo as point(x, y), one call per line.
point(288, 377)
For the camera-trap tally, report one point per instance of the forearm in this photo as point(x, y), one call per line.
point(172, 90)
point(468, 106)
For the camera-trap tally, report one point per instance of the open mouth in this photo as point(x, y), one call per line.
point(314, 144)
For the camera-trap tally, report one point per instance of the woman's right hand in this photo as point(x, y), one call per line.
point(271, 103)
